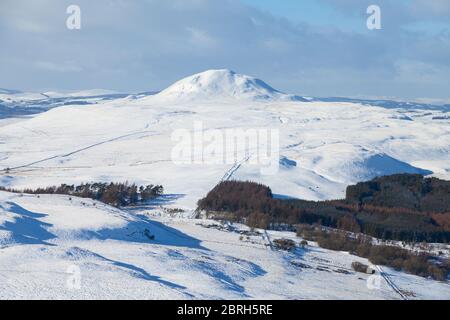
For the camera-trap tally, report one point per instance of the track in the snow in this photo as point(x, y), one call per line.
point(391, 284)
point(77, 150)
point(229, 174)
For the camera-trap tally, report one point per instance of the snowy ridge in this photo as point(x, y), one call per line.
point(347, 163)
point(16, 104)
point(8, 91)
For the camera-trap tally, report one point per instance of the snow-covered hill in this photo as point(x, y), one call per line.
point(56, 247)
point(332, 144)
point(14, 103)
point(323, 147)
point(222, 85)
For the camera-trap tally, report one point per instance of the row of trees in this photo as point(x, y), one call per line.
point(115, 194)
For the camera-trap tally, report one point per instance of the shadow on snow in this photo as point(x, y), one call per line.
point(26, 228)
point(76, 253)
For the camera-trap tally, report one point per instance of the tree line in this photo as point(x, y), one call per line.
point(399, 207)
point(115, 194)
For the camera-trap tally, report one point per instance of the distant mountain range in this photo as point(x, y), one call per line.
point(210, 85)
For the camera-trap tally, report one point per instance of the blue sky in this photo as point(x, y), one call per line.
point(310, 47)
point(350, 15)
point(312, 12)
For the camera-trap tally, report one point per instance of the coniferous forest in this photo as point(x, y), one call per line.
point(400, 207)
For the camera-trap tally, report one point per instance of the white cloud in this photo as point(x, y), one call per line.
point(201, 38)
point(433, 8)
point(54, 67)
point(146, 45)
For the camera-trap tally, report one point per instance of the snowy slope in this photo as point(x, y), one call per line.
point(45, 242)
point(332, 145)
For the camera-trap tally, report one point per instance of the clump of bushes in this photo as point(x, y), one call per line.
point(285, 244)
point(362, 268)
point(258, 220)
point(115, 194)
point(304, 244)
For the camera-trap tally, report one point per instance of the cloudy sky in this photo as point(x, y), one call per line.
point(309, 47)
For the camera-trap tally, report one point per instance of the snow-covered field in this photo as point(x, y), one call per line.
point(324, 146)
point(54, 247)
